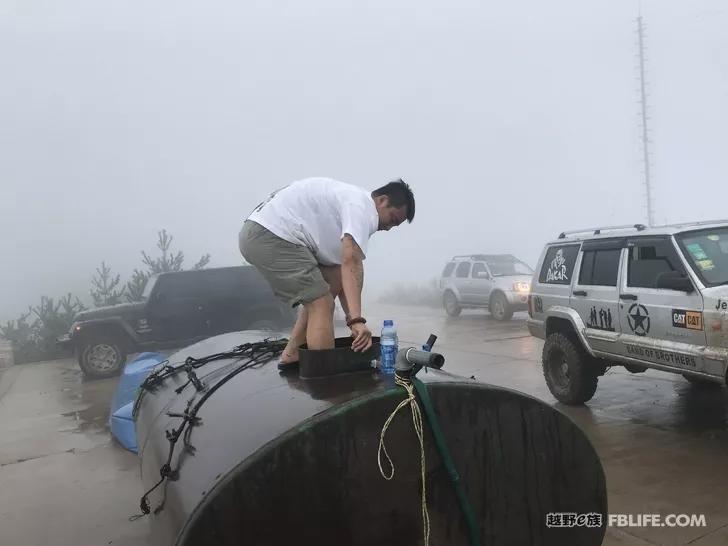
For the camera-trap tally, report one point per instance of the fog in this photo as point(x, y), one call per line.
point(511, 122)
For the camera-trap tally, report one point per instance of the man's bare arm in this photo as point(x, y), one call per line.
point(344, 304)
point(352, 274)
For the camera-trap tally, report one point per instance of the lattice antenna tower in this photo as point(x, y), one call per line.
point(644, 117)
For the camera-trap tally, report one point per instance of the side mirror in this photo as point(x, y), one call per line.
point(674, 280)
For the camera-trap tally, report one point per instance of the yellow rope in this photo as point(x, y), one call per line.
point(417, 421)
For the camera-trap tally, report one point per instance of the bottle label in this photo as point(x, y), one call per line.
point(389, 356)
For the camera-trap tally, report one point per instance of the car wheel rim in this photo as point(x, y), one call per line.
point(102, 357)
point(559, 368)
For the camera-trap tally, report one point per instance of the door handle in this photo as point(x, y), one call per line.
point(631, 297)
point(580, 292)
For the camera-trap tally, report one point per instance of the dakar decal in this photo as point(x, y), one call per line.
point(557, 269)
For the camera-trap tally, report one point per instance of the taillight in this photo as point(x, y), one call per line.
point(530, 305)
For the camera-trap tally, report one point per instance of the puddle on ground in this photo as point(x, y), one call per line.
point(90, 402)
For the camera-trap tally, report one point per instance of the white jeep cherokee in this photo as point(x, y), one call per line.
point(632, 296)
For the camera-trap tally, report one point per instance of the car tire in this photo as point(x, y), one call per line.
point(101, 356)
point(699, 382)
point(567, 370)
point(499, 308)
point(451, 304)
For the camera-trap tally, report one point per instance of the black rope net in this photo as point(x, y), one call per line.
point(247, 355)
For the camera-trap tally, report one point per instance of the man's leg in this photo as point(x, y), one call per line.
point(294, 276)
point(297, 337)
point(332, 275)
point(320, 329)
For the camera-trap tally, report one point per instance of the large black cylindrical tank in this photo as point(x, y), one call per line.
point(280, 460)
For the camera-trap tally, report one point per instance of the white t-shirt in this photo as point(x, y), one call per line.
point(317, 213)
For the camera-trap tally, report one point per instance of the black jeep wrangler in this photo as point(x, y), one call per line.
point(178, 309)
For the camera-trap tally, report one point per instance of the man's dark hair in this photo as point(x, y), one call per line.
point(400, 195)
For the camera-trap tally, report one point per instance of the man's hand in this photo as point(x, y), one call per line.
point(362, 337)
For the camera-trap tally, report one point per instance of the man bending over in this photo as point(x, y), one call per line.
point(309, 240)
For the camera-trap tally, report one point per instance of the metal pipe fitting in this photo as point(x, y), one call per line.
point(407, 359)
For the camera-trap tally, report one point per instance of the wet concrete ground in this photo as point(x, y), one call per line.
point(663, 443)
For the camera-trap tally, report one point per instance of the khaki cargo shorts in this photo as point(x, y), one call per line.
point(291, 270)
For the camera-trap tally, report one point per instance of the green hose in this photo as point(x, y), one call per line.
point(465, 507)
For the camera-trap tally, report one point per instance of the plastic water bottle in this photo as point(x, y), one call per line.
point(388, 344)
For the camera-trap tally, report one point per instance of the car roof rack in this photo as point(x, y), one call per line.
point(600, 230)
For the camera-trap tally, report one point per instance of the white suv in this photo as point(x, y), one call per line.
point(497, 282)
point(632, 296)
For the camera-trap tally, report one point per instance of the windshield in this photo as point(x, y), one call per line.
point(148, 287)
point(707, 253)
point(502, 269)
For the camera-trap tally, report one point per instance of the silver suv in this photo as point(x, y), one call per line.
point(635, 297)
point(498, 282)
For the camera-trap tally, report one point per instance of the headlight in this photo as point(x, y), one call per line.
point(521, 287)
